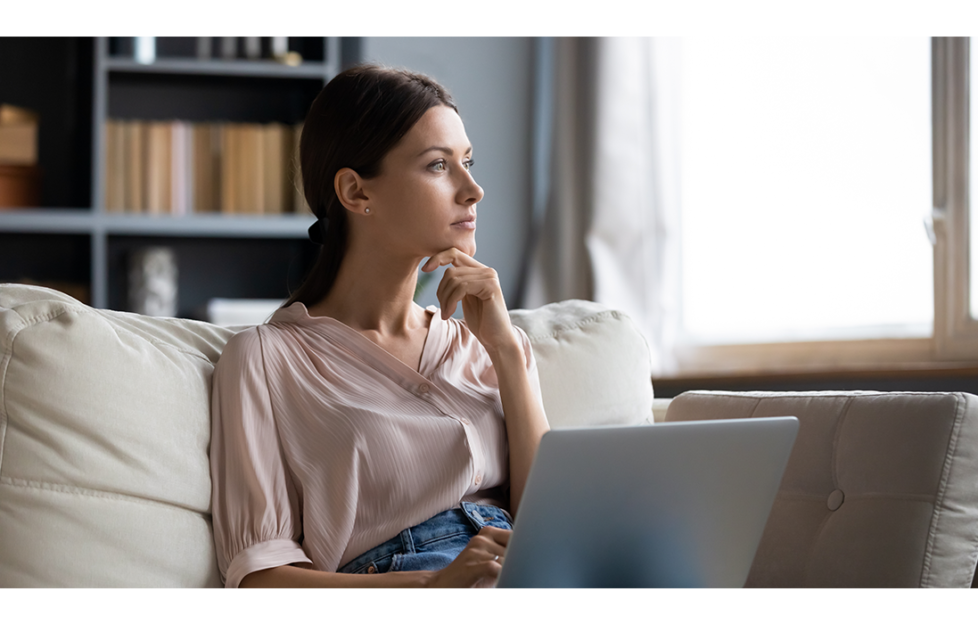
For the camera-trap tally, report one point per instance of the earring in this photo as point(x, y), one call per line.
point(366, 211)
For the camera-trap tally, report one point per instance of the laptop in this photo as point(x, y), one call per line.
point(667, 505)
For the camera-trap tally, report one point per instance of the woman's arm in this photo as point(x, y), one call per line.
point(476, 566)
point(294, 576)
point(525, 419)
point(476, 286)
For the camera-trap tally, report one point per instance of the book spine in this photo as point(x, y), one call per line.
point(114, 173)
point(159, 183)
point(134, 165)
point(229, 166)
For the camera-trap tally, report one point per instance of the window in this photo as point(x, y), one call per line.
point(809, 166)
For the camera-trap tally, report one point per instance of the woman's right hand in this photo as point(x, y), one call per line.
point(478, 565)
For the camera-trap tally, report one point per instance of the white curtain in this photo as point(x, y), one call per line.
point(611, 230)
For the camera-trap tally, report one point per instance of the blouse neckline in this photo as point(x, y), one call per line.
point(367, 350)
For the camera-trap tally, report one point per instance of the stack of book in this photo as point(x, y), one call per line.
point(179, 167)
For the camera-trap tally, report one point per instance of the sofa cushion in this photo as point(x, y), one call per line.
point(104, 433)
point(595, 365)
point(880, 488)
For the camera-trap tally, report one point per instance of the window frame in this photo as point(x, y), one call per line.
point(955, 331)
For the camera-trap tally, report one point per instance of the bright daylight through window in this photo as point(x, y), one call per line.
point(806, 172)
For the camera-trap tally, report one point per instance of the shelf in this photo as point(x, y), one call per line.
point(73, 240)
point(46, 221)
point(262, 68)
point(286, 226)
point(75, 221)
point(208, 268)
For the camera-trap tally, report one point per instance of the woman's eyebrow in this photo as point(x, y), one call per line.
point(447, 150)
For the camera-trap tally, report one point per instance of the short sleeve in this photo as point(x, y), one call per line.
point(256, 515)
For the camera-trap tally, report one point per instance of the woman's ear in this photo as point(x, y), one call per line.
point(349, 189)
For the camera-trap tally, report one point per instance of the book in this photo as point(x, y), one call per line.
point(115, 175)
point(276, 150)
point(133, 165)
point(206, 167)
point(159, 162)
point(250, 175)
point(181, 167)
point(230, 155)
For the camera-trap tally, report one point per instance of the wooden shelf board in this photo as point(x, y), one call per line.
point(46, 220)
point(286, 226)
point(76, 221)
point(260, 69)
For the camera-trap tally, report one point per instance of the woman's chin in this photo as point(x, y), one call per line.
point(469, 244)
point(464, 243)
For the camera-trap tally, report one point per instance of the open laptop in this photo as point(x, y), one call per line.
point(667, 505)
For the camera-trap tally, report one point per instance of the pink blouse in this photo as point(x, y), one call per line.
point(325, 445)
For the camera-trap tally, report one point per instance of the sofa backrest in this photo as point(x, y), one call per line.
point(104, 433)
point(105, 428)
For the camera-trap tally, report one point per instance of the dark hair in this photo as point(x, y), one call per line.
point(354, 121)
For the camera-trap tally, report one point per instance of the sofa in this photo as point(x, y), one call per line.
point(105, 425)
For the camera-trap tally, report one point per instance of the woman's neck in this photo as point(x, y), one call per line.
point(374, 292)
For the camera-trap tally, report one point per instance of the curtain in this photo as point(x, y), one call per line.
point(610, 232)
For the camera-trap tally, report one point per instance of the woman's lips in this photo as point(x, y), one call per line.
point(467, 224)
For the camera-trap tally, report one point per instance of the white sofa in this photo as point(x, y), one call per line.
point(104, 433)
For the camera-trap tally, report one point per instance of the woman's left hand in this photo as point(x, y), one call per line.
point(476, 286)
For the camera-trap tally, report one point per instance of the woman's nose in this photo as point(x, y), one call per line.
point(471, 193)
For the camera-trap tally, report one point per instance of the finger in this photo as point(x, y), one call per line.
point(450, 298)
point(443, 293)
point(454, 276)
point(451, 255)
point(497, 535)
point(484, 550)
point(454, 279)
point(456, 293)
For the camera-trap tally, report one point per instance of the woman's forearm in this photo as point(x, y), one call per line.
point(526, 421)
point(293, 576)
point(477, 565)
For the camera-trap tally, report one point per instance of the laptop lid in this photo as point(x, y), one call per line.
point(667, 505)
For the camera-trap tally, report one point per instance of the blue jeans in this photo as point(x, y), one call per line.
point(431, 545)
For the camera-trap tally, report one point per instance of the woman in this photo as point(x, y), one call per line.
point(355, 433)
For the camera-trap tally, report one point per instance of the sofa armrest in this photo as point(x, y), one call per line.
point(879, 489)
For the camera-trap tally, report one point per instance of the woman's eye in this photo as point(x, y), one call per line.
point(438, 166)
point(468, 164)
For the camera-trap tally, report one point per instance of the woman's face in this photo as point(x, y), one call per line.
point(424, 199)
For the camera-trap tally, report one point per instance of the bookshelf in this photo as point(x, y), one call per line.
point(219, 255)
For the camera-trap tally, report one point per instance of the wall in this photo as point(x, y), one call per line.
point(491, 81)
